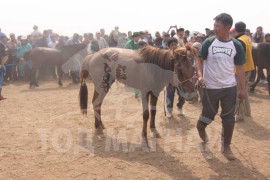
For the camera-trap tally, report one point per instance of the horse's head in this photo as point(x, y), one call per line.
point(184, 71)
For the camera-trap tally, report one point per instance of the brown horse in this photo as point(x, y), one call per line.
point(148, 70)
point(56, 57)
point(261, 57)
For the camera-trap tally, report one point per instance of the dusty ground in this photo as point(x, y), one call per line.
point(44, 136)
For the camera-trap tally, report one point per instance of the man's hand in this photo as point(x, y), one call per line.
point(21, 58)
point(200, 80)
point(241, 95)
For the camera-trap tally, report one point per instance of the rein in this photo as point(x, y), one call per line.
point(236, 107)
point(182, 82)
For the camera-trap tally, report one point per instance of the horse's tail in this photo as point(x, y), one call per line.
point(83, 95)
point(27, 54)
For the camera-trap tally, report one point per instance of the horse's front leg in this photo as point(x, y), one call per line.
point(145, 97)
point(268, 79)
point(153, 102)
point(33, 79)
point(60, 75)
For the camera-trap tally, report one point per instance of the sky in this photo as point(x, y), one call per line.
point(81, 16)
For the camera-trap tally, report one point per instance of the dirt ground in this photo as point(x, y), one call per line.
point(44, 136)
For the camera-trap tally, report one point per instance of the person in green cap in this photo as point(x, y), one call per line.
point(133, 43)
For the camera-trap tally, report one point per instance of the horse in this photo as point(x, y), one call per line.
point(55, 57)
point(261, 58)
point(149, 70)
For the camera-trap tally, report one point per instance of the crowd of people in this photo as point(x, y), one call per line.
point(223, 61)
point(18, 66)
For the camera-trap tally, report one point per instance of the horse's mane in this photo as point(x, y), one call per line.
point(69, 47)
point(161, 57)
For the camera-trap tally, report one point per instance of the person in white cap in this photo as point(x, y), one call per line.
point(35, 35)
point(23, 63)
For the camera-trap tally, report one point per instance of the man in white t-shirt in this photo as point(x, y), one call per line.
point(220, 54)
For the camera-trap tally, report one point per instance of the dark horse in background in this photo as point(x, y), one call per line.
point(149, 70)
point(54, 57)
point(261, 57)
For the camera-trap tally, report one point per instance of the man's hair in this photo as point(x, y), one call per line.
point(180, 29)
point(225, 19)
point(267, 34)
point(240, 27)
point(171, 40)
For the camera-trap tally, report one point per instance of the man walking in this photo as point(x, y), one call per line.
point(220, 54)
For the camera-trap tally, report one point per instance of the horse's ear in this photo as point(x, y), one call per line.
point(188, 46)
point(174, 52)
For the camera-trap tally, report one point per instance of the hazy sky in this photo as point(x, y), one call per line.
point(80, 16)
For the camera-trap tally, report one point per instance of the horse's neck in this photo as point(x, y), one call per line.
point(68, 53)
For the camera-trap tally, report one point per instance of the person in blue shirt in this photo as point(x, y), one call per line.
point(2, 68)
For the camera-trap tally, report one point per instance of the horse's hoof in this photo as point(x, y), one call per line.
point(99, 125)
point(60, 83)
point(145, 144)
point(155, 133)
point(144, 134)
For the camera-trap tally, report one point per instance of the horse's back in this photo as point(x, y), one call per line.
point(261, 54)
point(126, 66)
point(41, 54)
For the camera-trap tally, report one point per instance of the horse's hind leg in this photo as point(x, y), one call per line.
point(153, 102)
point(99, 95)
point(252, 87)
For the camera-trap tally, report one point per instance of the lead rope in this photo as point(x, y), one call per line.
point(236, 106)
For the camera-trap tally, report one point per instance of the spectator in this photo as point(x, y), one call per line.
point(35, 35)
point(170, 89)
point(24, 64)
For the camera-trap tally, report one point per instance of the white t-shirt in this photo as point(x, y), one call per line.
point(220, 59)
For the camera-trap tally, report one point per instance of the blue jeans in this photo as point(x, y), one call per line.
point(22, 67)
point(170, 98)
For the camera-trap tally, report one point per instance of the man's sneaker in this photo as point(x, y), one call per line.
point(263, 81)
point(2, 98)
point(239, 118)
point(168, 115)
point(227, 152)
point(180, 112)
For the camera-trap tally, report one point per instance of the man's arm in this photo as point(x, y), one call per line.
point(199, 62)
point(241, 80)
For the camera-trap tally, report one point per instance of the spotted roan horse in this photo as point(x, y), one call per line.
point(261, 57)
point(149, 70)
point(55, 57)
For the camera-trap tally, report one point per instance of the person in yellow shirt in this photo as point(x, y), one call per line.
point(240, 28)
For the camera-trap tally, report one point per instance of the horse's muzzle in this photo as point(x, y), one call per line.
point(191, 96)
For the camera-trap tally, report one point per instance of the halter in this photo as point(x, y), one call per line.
point(181, 82)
